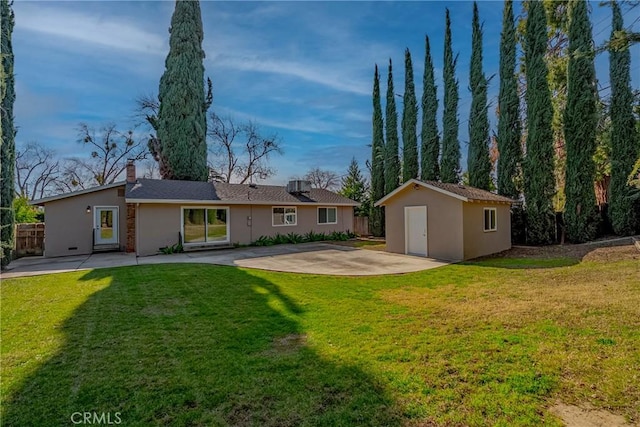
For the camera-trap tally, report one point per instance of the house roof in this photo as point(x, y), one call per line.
point(44, 200)
point(462, 192)
point(169, 191)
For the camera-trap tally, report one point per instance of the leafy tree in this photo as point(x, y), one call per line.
point(24, 212)
point(508, 104)
point(7, 133)
point(429, 138)
point(450, 162)
point(240, 152)
point(479, 165)
point(624, 139)
point(410, 162)
point(391, 161)
point(580, 124)
point(538, 164)
point(377, 161)
point(181, 122)
point(355, 187)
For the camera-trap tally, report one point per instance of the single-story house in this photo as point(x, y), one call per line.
point(144, 215)
point(446, 221)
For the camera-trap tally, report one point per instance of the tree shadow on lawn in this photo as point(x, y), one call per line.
point(193, 345)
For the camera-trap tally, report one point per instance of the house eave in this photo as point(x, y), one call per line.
point(44, 200)
point(234, 202)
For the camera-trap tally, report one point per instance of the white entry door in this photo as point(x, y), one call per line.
point(106, 225)
point(415, 226)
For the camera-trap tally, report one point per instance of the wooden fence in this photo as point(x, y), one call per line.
point(361, 225)
point(29, 239)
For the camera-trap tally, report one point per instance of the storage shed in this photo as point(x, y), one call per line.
point(446, 221)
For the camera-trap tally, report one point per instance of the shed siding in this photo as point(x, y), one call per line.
point(477, 242)
point(68, 225)
point(444, 222)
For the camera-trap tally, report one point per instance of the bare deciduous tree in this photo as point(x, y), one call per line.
point(37, 171)
point(240, 152)
point(110, 151)
point(323, 179)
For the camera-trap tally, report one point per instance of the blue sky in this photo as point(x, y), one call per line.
point(301, 69)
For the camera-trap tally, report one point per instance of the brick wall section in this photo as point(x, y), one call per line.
point(131, 227)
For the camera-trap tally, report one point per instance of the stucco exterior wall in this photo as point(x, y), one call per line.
point(478, 242)
point(159, 225)
point(69, 228)
point(444, 222)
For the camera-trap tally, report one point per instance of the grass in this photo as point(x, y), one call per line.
point(488, 343)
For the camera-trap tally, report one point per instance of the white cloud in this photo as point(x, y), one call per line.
point(309, 72)
point(111, 32)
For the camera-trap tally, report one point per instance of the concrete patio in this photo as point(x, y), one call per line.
point(309, 258)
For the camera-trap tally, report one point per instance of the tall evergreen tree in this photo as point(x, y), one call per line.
point(508, 106)
point(450, 162)
point(580, 121)
point(182, 123)
point(355, 187)
point(391, 161)
point(479, 165)
point(376, 216)
point(539, 180)
point(624, 139)
point(410, 162)
point(429, 138)
point(7, 132)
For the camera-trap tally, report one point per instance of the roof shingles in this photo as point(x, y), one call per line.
point(153, 189)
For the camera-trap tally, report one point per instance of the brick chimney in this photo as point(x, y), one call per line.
point(131, 171)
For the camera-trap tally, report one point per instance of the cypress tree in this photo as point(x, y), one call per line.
point(508, 105)
point(624, 139)
point(391, 161)
point(7, 132)
point(429, 138)
point(580, 121)
point(410, 163)
point(539, 183)
point(377, 161)
point(479, 165)
point(450, 162)
point(182, 124)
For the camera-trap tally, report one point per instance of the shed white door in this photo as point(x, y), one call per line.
point(415, 230)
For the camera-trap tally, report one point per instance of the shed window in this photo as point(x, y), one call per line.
point(327, 215)
point(284, 216)
point(490, 219)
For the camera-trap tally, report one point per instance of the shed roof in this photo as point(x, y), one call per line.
point(462, 192)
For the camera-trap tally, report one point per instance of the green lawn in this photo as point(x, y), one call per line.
point(490, 343)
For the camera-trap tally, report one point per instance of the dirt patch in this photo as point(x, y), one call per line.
point(288, 344)
point(596, 251)
point(574, 416)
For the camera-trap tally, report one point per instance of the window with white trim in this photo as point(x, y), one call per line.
point(327, 215)
point(490, 220)
point(205, 225)
point(282, 216)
